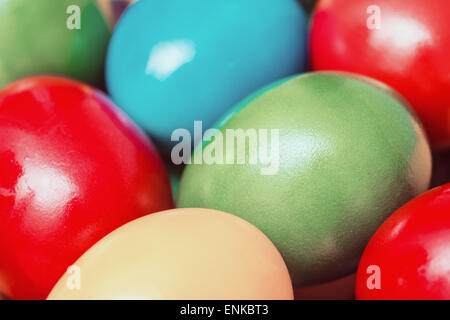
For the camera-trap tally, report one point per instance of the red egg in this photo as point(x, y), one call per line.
point(73, 168)
point(404, 43)
point(409, 255)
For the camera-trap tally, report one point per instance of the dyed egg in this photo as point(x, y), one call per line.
point(409, 255)
point(317, 162)
point(73, 168)
point(167, 68)
point(402, 43)
point(180, 254)
point(62, 37)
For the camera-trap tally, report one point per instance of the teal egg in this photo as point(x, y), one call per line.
point(172, 62)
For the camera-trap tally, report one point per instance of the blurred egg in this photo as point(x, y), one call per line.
point(62, 37)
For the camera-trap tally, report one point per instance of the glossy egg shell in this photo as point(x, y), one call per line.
point(35, 39)
point(172, 62)
point(349, 154)
point(181, 254)
point(73, 168)
point(412, 252)
point(408, 50)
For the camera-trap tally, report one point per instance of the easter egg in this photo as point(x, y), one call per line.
point(180, 254)
point(402, 43)
point(317, 162)
point(73, 167)
point(408, 257)
point(169, 67)
point(62, 37)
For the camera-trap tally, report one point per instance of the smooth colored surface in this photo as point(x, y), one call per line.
point(34, 39)
point(167, 68)
point(350, 154)
point(412, 251)
point(409, 52)
point(73, 168)
point(182, 254)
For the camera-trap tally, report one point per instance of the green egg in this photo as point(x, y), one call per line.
point(59, 37)
point(345, 152)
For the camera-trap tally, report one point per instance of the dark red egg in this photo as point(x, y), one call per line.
point(73, 168)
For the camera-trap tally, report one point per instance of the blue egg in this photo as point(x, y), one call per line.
point(173, 62)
